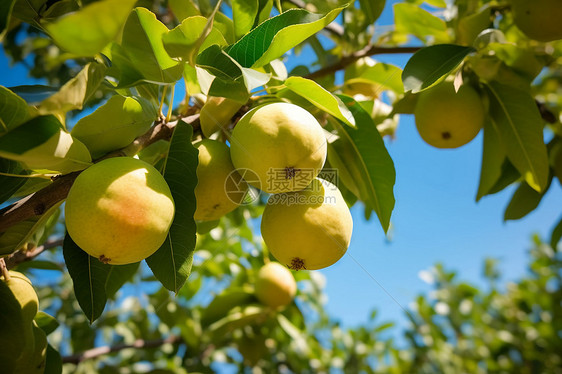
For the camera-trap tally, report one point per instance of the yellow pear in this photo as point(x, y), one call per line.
point(354, 84)
point(283, 144)
point(220, 189)
point(538, 19)
point(449, 119)
point(119, 210)
point(309, 229)
point(33, 360)
point(275, 285)
point(216, 114)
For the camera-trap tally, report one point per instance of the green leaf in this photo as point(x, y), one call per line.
point(115, 124)
point(10, 184)
point(183, 9)
point(13, 110)
point(220, 75)
point(556, 235)
point(238, 317)
point(41, 143)
point(53, 361)
point(171, 263)
point(38, 264)
point(520, 127)
point(386, 76)
point(368, 162)
point(509, 175)
point(493, 156)
point(121, 66)
point(412, 19)
point(142, 42)
point(372, 9)
point(88, 277)
point(277, 35)
point(298, 337)
point(34, 94)
point(28, 10)
point(322, 99)
point(244, 13)
point(30, 231)
point(6, 7)
point(87, 31)
point(430, 65)
point(524, 201)
point(76, 91)
point(182, 39)
point(223, 303)
point(46, 322)
point(118, 276)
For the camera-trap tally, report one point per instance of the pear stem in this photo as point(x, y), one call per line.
point(5, 271)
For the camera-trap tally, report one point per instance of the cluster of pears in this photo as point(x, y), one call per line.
point(23, 345)
point(282, 147)
point(120, 209)
point(447, 118)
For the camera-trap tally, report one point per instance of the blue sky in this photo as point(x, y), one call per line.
point(436, 219)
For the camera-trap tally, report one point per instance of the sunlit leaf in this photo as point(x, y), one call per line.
point(520, 127)
point(321, 98)
point(180, 41)
point(412, 19)
point(13, 110)
point(41, 143)
point(115, 124)
point(142, 43)
point(76, 91)
point(277, 35)
point(432, 64)
point(87, 31)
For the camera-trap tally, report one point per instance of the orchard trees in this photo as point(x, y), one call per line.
point(199, 131)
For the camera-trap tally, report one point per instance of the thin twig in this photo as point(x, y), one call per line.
point(4, 269)
point(20, 256)
point(137, 344)
point(350, 59)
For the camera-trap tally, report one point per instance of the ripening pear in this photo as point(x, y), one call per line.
point(220, 189)
point(538, 19)
point(17, 311)
point(308, 229)
point(216, 114)
point(12, 340)
point(449, 119)
point(354, 85)
point(283, 144)
point(33, 361)
point(275, 285)
point(119, 210)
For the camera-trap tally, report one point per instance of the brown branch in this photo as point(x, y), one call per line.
point(367, 51)
point(18, 257)
point(39, 202)
point(138, 344)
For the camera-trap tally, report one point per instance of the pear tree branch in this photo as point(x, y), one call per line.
point(20, 256)
point(137, 344)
